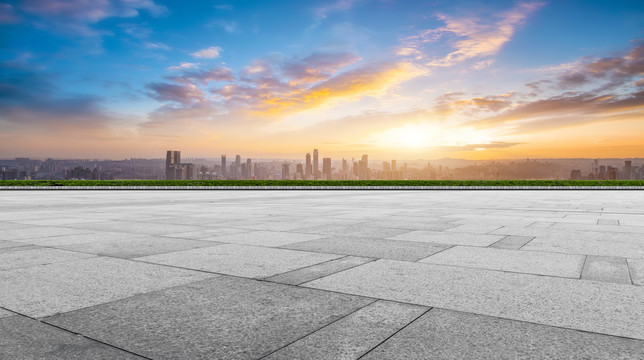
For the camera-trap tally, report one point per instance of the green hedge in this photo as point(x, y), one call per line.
point(321, 183)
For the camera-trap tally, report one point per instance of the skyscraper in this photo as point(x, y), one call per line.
point(249, 169)
point(364, 168)
point(308, 169)
point(174, 169)
point(393, 165)
point(223, 166)
point(628, 170)
point(285, 172)
point(237, 171)
point(316, 170)
point(326, 168)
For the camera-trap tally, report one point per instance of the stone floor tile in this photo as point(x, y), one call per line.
point(444, 334)
point(50, 289)
point(241, 260)
point(20, 247)
point(606, 268)
point(138, 246)
point(363, 230)
point(223, 318)
point(451, 238)
point(374, 248)
point(353, 335)
point(474, 228)
point(5, 313)
point(614, 309)
point(607, 222)
point(299, 276)
point(87, 237)
point(209, 233)
point(528, 262)
point(23, 338)
point(136, 227)
point(636, 267)
point(37, 232)
point(36, 257)
point(431, 225)
point(264, 238)
point(512, 242)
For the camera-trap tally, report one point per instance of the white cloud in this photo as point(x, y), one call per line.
point(209, 53)
point(183, 66)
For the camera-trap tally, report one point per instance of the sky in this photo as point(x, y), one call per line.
point(274, 79)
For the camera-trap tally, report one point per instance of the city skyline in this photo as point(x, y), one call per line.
point(392, 79)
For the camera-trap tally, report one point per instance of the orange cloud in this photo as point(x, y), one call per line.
point(372, 80)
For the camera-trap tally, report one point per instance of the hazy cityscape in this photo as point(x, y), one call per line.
point(314, 166)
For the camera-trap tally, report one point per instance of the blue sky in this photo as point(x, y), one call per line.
point(472, 79)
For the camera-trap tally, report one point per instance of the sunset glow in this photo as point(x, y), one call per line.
point(416, 79)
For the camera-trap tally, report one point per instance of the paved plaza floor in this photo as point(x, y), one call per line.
point(322, 274)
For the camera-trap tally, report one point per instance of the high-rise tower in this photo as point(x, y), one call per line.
point(308, 169)
point(223, 165)
point(316, 170)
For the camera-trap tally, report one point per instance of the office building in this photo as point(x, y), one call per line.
point(308, 169)
point(223, 166)
point(316, 170)
point(175, 169)
point(285, 172)
point(326, 169)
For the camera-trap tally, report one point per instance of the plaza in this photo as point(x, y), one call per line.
point(491, 274)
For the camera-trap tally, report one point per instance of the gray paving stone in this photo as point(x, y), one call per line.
point(265, 238)
point(607, 308)
point(8, 244)
point(50, 289)
point(606, 228)
point(87, 237)
point(374, 248)
point(35, 257)
point(607, 222)
point(241, 260)
point(354, 335)
point(223, 318)
point(541, 224)
point(474, 228)
point(136, 227)
point(363, 230)
point(448, 238)
point(25, 339)
point(209, 233)
point(636, 267)
point(512, 242)
point(606, 268)
point(529, 262)
point(444, 334)
point(20, 247)
point(428, 224)
point(300, 276)
point(11, 226)
point(138, 246)
point(5, 313)
point(31, 233)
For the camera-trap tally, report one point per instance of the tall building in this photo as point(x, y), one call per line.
point(316, 170)
point(393, 165)
point(237, 172)
point(223, 165)
point(308, 169)
point(175, 169)
point(249, 169)
point(298, 171)
point(628, 170)
point(285, 172)
point(363, 171)
point(326, 168)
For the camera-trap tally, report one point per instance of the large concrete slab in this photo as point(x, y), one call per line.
point(51, 289)
point(375, 248)
point(35, 257)
point(241, 260)
point(636, 268)
point(37, 232)
point(353, 335)
point(223, 318)
point(606, 268)
point(138, 246)
point(444, 334)
point(512, 242)
point(529, 262)
point(309, 273)
point(364, 230)
point(24, 339)
point(265, 238)
point(5, 313)
point(452, 238)
point(569, 303)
